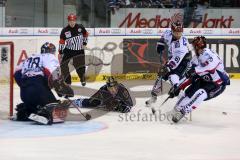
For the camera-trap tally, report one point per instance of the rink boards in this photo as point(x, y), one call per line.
point(127, 53)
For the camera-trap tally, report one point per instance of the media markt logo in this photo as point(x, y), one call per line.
point(142, 22)
point(223, 22)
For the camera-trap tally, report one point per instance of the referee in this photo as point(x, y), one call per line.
point(73, 38)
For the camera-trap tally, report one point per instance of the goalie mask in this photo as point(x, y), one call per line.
point(48, 48)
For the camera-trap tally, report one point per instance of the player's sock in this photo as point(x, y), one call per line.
point(78, 102)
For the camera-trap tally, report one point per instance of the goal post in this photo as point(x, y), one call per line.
point(6, 78)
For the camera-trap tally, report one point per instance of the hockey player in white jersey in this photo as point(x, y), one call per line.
point(178, 59)
point(206, 80)
point(36, 76)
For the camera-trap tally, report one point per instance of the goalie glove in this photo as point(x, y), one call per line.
point(62, 88)
point(57, 82)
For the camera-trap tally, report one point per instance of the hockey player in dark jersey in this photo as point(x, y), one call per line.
point(73, 39)
point(113, 96)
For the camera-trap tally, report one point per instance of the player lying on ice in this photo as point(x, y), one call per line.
point(205, 80)
point(112, 96)
point(38, 74)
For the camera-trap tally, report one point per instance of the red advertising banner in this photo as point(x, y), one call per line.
point(161, 18)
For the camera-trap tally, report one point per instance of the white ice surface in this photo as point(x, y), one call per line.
point(210, 135)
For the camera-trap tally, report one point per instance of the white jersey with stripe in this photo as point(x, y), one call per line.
point(177, 49)
point(40, 64)
point(210, 66)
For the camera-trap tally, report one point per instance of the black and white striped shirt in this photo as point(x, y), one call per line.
point(73, 38)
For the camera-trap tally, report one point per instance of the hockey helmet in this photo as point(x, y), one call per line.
point(177, 26)
point(177, 29)
point(72, 17)
point(111, 82)
point(48, 48)
point(199, 42)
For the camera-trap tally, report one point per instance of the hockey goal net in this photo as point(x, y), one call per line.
point(6, 79)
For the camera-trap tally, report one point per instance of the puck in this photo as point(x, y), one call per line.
point(88, 117)
point(153, 111)
point(224, 113)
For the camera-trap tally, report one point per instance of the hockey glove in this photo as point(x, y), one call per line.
point(174, 91)
point(123, 108)
point(160, 47)
point(85, 43)
point(164, 72)
point(191, 73)
point(62, 88)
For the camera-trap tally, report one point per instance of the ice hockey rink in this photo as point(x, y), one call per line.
point(210, 133)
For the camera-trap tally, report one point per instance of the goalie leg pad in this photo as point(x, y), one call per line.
point(51, 113)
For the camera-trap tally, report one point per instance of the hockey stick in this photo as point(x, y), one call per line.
point(87, 116)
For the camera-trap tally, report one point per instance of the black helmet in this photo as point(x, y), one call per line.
point(48, 48)
point(111, 82)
